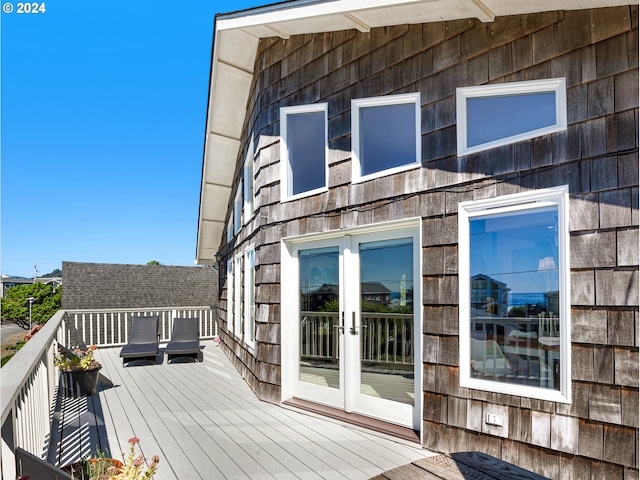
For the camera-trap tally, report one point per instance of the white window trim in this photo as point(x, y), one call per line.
point(237, 209)
point(557, 196)
point(237, 292)
point(285, 169)
point(230, 297)
point(249, 182)
point(359, 103)
point(230, 228)
point(556, 85)
point(249, 297)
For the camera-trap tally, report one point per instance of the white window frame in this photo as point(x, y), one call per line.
point(285, 167)
point(237, 296)
point(230, 228)
point(249, 182)
point(237, 208)
point(249, 296)
point(388, 100)
point(230, 296)
point(555, 85)
point(558, 197)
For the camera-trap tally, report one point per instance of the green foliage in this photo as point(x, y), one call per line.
point(330, 306)
point(154, 262)
point(47, 301)
point(519, 311)
point(5, 359)
point(56, 273)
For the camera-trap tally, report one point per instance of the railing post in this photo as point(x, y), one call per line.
point(8, 447)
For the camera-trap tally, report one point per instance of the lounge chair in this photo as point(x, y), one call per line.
point(184, 339)
point(143, 339)
point(28, 465)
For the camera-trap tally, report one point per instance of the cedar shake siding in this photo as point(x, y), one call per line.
point(596, 51)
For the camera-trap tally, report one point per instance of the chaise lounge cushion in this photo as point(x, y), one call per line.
point(184, 339)
point(143, 339)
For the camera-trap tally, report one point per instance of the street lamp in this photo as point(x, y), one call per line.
point(30, 300)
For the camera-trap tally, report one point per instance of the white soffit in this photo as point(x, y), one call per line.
point(229, 99)
point(220, 160)
point(209, 234)
point(235, 45)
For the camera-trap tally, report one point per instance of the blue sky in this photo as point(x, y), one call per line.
point(103, 110)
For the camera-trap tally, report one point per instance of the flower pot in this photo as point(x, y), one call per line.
point(79, 383)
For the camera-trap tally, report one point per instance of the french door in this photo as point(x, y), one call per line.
point(355, 333)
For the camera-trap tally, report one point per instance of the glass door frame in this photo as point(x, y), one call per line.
point(290, 349)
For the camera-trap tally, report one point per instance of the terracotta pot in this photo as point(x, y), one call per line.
point(79, 383)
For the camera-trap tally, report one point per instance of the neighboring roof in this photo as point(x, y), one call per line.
point(106, 285)
point(235, 44)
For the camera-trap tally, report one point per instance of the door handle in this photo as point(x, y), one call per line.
point(353, 330)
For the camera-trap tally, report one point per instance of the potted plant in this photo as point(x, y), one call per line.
point(79, 372)
point(101, 467)
point(104, 468)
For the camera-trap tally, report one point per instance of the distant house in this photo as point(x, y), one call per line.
point(419, 145)
point(489, 295)
point(8, 282)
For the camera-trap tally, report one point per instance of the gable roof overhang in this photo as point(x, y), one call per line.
point(235, 45)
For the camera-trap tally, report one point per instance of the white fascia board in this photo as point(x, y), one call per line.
point(304, 11)
point(521, 7)
point(284, 12)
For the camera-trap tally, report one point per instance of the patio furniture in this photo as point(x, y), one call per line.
point(184, 339)
point(34, 467)
point(143, 339)
point(487, 358)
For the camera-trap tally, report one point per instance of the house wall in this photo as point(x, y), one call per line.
point(596, 436)
point(105, 285)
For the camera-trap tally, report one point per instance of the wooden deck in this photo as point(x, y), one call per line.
point(203, 421)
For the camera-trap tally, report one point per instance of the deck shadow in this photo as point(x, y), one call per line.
point(77, 427)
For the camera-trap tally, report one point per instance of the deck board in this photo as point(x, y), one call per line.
point(204, 422)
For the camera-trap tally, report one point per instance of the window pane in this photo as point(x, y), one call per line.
point(495, 118)
point(306, 145)
point(319, 306)
point(387, 137)
point(386, 333)
point(515, 303)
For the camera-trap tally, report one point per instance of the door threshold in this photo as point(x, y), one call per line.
point(374, 424)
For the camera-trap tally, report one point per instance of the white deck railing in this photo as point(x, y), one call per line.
point(110, 328)
point(30, 379)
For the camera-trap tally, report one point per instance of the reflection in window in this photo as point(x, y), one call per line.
point(494, 115)
point(386, 333)
point(319, 306)
point(386, 134)
point(304, 149)
point(515, 292)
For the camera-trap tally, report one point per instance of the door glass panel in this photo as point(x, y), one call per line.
point(386, 332)
point(319, 307)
